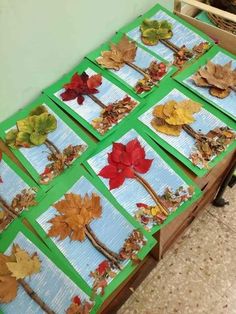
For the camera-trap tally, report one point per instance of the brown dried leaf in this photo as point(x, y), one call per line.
point(75, 212)
point(220, 93)
point(8, 289)
point(166, 128)
point(124, 51)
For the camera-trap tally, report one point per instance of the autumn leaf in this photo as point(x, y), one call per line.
point(75, 212)
point(8, 289)
point(124, 161)
point(80, 85)
point(25, 265)
point(152, 31)
point(118, 55)
point(172, 116)
point(221, 79)
point(79, 307)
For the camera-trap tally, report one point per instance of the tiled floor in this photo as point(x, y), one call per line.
point(198, 274)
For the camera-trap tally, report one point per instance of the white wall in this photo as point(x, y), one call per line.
point(43, 39)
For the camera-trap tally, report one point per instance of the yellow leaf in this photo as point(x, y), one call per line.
point(166, 128)
point(158, 112)
point(8, 289)
point(25, 265)
point(169, 108)
point(180, 117)
point(3, 267)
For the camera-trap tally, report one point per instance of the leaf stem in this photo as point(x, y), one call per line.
point(96, 100)
point(112, 256)
point(7, 209)
point(152, 193)
point(35, 296)
point(52, 147)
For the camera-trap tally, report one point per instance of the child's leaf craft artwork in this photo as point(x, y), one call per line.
point(79, 307)
point(74, 215)
point(154, 31)
point(33, 131)
point(83, 85)
point(124, 53)
point(128, 161)
point(14, 269)
point(21, 201)
point(173, 117)
point(220, 79)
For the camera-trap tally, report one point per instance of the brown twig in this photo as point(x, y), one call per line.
point(10, 212)
point(175, 48)
point(52, 147)
point(138, 69)
point(35, 296)
point(188, 129)
point(97, 101)
point(152, 193)
point(112, 256)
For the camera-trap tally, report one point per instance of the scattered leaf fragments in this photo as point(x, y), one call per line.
point(59, 161)
point(220, 79)
point(132, 246)
point(102, 274)
point(152, 215)
point(79, 307)
point(112, 114)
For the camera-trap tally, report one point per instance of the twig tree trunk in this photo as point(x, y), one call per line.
point(33, 295)
point(52, 147)
point(174, 48)
point(101, 247)
point(152, 193)
point(139, 70)
point(97, 101)
point(10, 212)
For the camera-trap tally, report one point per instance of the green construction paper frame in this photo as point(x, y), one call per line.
point(138, 128)
point(193, 68)
point(153, 11)
point(153, 99)
point(80, 68)
point(9, 237)
point(60, 190)
point(39, 193)
point(10, 122)
point(92, 56)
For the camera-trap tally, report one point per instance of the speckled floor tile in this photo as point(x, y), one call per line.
point(227, 213)
point(198, 274)
point(175, 288)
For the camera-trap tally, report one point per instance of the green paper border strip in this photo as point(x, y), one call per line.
point(39, 193)
point(125, 29)
point(193, 68)
point(80, 68)
point(138, 128)
point(9, 237)
point(92, 56)
point(10, 122)
point(60, 190)
point(153, 99)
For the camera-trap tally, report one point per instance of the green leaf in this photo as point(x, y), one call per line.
point(146, 24)
point(25, 126)
point(23, 139)
point(38, 111)
point(45, 123)
point(152, 31)
point(37, 138)
point(149, 37)
point(11, 137)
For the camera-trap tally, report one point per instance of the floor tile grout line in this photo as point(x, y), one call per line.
point(221, 222)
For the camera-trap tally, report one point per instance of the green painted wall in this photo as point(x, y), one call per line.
point(43, 39)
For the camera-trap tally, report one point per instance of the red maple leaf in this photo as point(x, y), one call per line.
point(124, 161)
point(77, 300)
point(81, 85)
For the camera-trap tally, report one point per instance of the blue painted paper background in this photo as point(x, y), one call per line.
point(228, 103)
point(204, 122)
point(181, 36)
point(160, 176)
point(112, 229)
point(51, 284)
point(61, 137)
